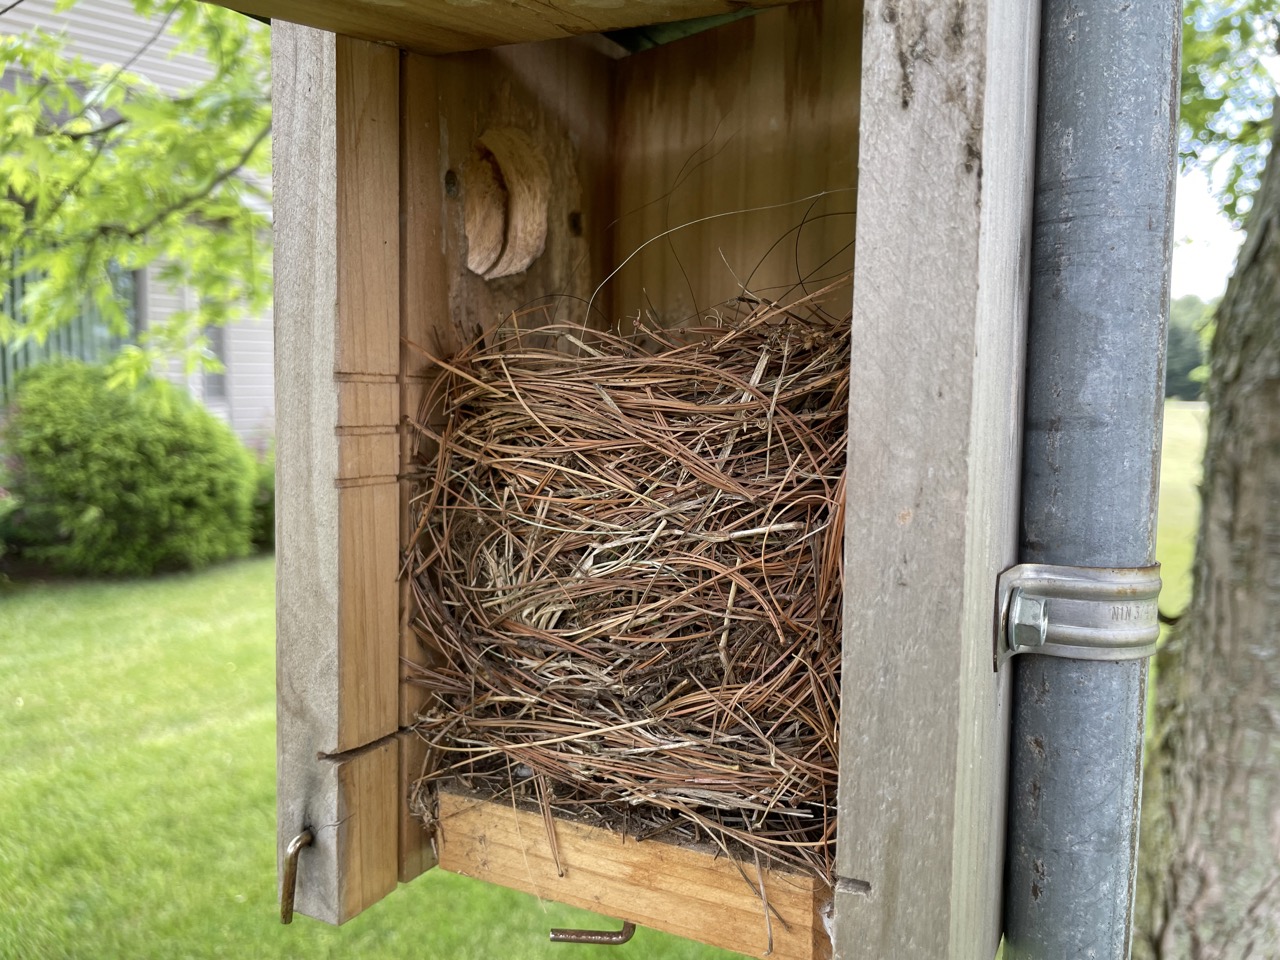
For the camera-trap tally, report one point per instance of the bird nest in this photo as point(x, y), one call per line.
point(627, 570)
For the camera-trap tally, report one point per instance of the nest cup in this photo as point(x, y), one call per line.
point(626, 571)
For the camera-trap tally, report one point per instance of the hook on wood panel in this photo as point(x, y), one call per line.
point(289, 885)
point(608, 938)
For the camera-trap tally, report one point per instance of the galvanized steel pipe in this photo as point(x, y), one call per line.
point(1105, 173)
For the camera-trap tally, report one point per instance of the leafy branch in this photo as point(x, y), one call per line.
point(104, 171)
point(189, 201)
point(1229, 51)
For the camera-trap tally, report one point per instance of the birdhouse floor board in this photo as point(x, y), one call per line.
point(691, 892)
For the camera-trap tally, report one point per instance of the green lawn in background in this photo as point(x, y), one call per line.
point(137, 793)
point(1184, 435)
point(137, 785)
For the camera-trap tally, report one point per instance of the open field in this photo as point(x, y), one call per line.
point(137, 793)
point(1184, 434)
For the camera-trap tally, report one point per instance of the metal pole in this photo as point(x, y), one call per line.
point(1095, 383)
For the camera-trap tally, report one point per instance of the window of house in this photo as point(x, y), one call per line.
point(215, 382)
point(126, 287)
point(86, 337)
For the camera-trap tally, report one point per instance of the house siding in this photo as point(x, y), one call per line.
point(109, 31)
point(251, 382)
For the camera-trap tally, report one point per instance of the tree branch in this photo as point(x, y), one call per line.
point(84, 135)
point(164, 24)
point(74, 185)
point(178, 206)
point(98, 131)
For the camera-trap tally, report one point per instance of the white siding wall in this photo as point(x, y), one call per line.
point(109, 32)
point(251, 383)
point(158, 300)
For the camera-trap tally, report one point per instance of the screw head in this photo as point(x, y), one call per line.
point(1028, 622)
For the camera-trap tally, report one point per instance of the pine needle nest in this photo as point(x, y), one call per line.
point(627, 560)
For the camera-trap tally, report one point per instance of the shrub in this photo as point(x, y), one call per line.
point(264, 501)
point(8, 503)
point(122, 481)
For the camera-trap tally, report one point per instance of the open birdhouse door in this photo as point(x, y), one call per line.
point(584, 238)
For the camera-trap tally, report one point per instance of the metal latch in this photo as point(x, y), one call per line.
point(1085, 613)
point(606, 938)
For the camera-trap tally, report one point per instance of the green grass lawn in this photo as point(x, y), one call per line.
point(137, 782)
point(1184, 435)
point(137, 793)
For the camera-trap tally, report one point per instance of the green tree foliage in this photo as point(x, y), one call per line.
point(1229, 50)
point(102, 169)
point(264, 501)
point(1189, 318)
point(116, 481)
point(8, 506)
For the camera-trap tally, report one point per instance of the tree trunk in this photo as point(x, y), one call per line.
point(1210, 873)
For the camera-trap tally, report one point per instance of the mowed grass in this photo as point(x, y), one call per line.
point(137, 793)
point(1184, 436)
point(137, 777)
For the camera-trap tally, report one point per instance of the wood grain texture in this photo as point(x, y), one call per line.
point(367, 238)
point(939, 311)
point(449, 26)
point(368, 234)
point(368, 612)
point(527, 183)
point(424, 308)
point(693, 893)
point(306, 273)
point(755, 113)
point(366, 825)
point(368, 402)
point(484, 202)
point(350, 807)
point(368, 453)
point(417, 855)
point(425, 287)
point(555, 96)
point(558, 96)
point(337, 538)
point(562, 96)
point(761, 113)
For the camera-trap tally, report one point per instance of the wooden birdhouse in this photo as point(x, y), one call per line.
point(439, 166)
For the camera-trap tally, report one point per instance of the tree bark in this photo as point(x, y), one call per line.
point(1210, 869)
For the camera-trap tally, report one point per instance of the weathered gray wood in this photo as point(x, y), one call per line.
point(336, 560)
point(306, 450)
point(946, 149)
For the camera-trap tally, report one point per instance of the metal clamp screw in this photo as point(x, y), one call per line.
point(1028, 623)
